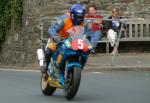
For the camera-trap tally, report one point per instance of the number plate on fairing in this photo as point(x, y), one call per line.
point(79, 44)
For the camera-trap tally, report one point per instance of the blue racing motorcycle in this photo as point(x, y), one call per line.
point(66, 64)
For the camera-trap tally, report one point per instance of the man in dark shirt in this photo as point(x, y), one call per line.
point(113, 28)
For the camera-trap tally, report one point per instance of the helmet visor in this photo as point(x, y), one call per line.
point(78, 17)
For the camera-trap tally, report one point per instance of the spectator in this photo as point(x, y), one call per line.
point(113, 28)
point(93, 26)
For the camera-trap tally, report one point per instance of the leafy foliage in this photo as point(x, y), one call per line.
point(10, 13)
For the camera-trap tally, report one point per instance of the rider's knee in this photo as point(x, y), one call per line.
point(52, 46)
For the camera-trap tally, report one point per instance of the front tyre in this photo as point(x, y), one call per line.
point(72, 82)
point(45, 87)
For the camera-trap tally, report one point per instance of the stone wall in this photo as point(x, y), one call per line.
point(20, 46)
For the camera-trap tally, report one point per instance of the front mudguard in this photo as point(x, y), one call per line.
point(74, 64)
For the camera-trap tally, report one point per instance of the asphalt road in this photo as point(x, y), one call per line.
point(112, 87)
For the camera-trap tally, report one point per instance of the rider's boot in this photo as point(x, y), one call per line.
point(48, 54)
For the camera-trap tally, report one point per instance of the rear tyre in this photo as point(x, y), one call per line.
point(72, 82)
point(45, 87)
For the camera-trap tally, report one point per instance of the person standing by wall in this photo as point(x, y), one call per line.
point(93, 26)
point(113, 28)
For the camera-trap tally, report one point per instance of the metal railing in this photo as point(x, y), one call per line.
point(136, 28)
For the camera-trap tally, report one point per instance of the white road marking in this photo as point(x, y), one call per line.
point(20, 70)
point(97, 72)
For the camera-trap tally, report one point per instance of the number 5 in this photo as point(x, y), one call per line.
point(80, 44)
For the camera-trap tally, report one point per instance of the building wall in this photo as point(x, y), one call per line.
point(20, 46)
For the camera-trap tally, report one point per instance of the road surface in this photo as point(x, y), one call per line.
point(95, 87)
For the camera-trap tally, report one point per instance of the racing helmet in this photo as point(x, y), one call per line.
point(77, 14)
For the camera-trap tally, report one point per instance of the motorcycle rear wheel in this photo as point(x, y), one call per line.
point(72, 82)
point(45, 87)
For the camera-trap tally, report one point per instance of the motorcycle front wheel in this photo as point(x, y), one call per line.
point(45, 87)
point(72, 82)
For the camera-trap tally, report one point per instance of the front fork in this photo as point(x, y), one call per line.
point(70, 66)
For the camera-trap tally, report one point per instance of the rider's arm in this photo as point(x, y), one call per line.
point(54, 28)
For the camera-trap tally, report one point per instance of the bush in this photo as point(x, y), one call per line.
point(10, 13)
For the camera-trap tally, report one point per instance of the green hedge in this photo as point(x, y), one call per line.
point(10, 13)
